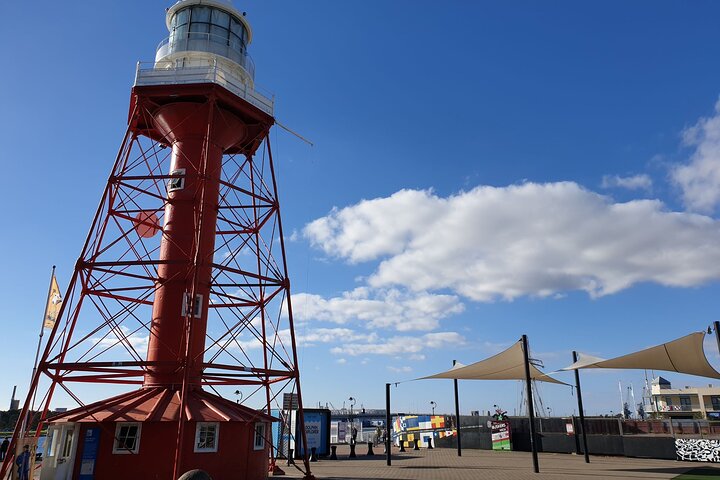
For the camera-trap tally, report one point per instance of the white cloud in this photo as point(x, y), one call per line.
point(635, 182)
point(505, 242)
point(404, 369)
point(341, 361)
point(328, 335)
point(402, 345)
point(352, 233)
point(138, 340)
point(378, 308)
point(699, 180)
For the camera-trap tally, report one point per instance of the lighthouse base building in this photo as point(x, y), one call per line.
point(134, 436)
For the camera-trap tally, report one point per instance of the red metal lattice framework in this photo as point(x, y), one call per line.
point(105, 323)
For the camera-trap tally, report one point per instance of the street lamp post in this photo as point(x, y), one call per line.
point(353, 430)
point(433, 405)
point(352, 420)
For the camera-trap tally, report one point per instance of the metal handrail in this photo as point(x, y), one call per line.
point(214, 73)
point(207, 42)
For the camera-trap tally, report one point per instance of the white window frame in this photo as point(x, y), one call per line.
point(51, 441)
point(259, 432)
point(198, 428)
point(66, 449)
point(197, 307)
point(126, 451)
point(176, 183)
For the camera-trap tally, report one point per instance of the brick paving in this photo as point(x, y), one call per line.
point(443, 463)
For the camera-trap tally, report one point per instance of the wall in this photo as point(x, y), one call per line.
point(154, 460)
point(608, 440)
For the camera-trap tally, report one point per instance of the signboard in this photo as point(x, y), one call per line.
point(342, 432)
point(313, 431)
point(89, 453)
point(500, 432)
point(317, 431)
point(569, 428)
point(32, 443)
point(290, 401)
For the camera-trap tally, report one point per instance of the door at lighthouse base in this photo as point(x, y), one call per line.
point(59, 457)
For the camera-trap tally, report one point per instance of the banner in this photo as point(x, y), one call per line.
point(54, 302)
point(500, 432)
point(27, 460)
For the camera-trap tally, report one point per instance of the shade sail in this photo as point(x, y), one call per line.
point(506, 365)
point(684, 355)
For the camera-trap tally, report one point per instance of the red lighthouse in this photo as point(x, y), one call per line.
point(181, 288)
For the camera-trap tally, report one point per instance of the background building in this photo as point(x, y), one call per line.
point(687, 402)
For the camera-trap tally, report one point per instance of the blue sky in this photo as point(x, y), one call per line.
point(480, 170)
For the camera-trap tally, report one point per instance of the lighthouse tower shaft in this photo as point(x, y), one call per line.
point(181, 288)
point(199, 134)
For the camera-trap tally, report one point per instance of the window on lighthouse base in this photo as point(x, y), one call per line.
point(259, 443)
point(127, 438)
point(206, 437)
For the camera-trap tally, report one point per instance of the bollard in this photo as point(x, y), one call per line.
point(352, 451)
point(370, 450)
point(402, 445)
point(416, 447)
point(333, 454)
point(313, 456)
point(429, 442)
point(275, 470)
point(290, 457)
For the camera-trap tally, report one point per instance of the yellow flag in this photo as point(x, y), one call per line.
point(53, 304)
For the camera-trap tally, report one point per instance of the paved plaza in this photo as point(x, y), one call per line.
point(443, 463)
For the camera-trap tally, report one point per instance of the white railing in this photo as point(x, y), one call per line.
point(148, 74)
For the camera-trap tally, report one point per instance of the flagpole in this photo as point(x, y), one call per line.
point(39, 344)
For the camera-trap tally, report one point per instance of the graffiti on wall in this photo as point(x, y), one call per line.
point(421, 427)
point(698, 449)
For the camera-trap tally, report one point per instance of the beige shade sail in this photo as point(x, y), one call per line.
point(684, 355)
point(506, 365)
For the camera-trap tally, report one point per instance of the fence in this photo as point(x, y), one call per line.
point(606, 436)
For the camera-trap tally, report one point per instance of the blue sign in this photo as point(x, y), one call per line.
point(317, 431)
point(89, 453)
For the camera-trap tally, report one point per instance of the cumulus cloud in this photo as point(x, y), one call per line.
point(352, 232)
point(532, 239)
point(329, 335)
point(115, 338)
point(379, 308)
point(402, 345)
point(699, 180)
point(404, 369)
point(635, 182)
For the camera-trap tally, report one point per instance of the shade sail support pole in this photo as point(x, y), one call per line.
point(580, 409)
point(388, 434)
point(531, 409)
point(457, 414)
